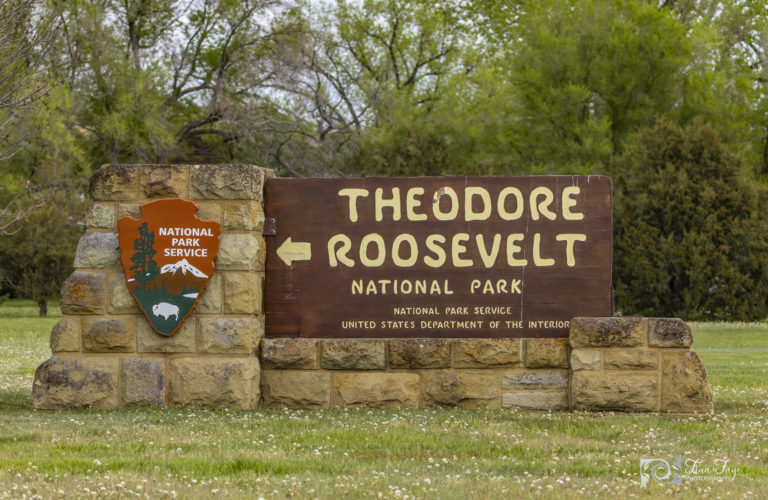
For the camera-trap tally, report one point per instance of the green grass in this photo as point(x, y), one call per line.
point(185, 453)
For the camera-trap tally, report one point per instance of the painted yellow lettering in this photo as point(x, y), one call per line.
point(381, 252)
point(469, 212)
point(393, 203)
point(513, 249)
point(458, 248)
point(489, 258)
point(414, 251)
point(537, 258)
point(570, 239)
point(542, 207)
point(451, 194)
point(502, 207)
point(354, 194)
point(336, 255)
point(411, 203)
point(432, 245)
point(569, 202)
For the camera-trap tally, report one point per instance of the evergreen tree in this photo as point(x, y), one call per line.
point(689, 233)
point(144, 265)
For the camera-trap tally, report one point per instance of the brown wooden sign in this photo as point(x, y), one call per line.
point(437, 256)
point(168, 257)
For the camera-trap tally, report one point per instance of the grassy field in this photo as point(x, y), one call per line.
point(185, 453)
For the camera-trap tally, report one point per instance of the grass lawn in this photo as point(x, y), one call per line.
point(183, 453)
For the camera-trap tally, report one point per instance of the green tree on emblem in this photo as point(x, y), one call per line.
point(144, 265)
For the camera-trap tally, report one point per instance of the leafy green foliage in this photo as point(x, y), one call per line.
point(401, 87)
point(689, 233)
point(35, 260)
point(586, 73)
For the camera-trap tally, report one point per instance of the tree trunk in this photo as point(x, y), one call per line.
point(42, 304)
point(764, 166)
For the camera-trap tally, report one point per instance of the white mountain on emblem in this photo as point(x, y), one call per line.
point(184, 267)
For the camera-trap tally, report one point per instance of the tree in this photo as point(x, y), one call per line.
point(727, 81)
point(168, 81)
point(582, 75)
point(27, 31)
point(37, 258)
point(360, 79)
point(689, 234)
point(143, 260)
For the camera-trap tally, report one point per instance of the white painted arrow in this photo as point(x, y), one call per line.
point(290, 251)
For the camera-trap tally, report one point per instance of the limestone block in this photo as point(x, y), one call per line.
point(535, 380)
point(227, 182)
point(669, 332)
point(97, 251)
point(150, 341)
point(120, 299)
point(109, 334)
point(463, 389)
point(115, 183)
point(83, 293)
point(230, 335)
point(352, 354)
point(486, 353)
point(211, 298)
point(101, 216)
point(631, 359)
point(209, 210)
point(585, 359)
point(65, 335)
point(241, 252)
point(215, 382)
point(545, 353)
point(684, 385)
point(164, 181)
point(420, 353)
point(76, 382)
point(128, 210)
point(376, 390)
point(297, 354)
point(295, 389)
point(535, 400)
point(243, 293)
point(142, 382)
point(243, 216)
point(608, 332)
point(598, 390)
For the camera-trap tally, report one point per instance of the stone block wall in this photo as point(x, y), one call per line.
point(105, 354)
point(394, 373)
point(636, 364)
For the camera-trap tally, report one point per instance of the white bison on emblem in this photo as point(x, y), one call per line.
point(165, 310)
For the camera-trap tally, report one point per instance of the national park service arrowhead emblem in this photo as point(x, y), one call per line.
point(168, 257)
